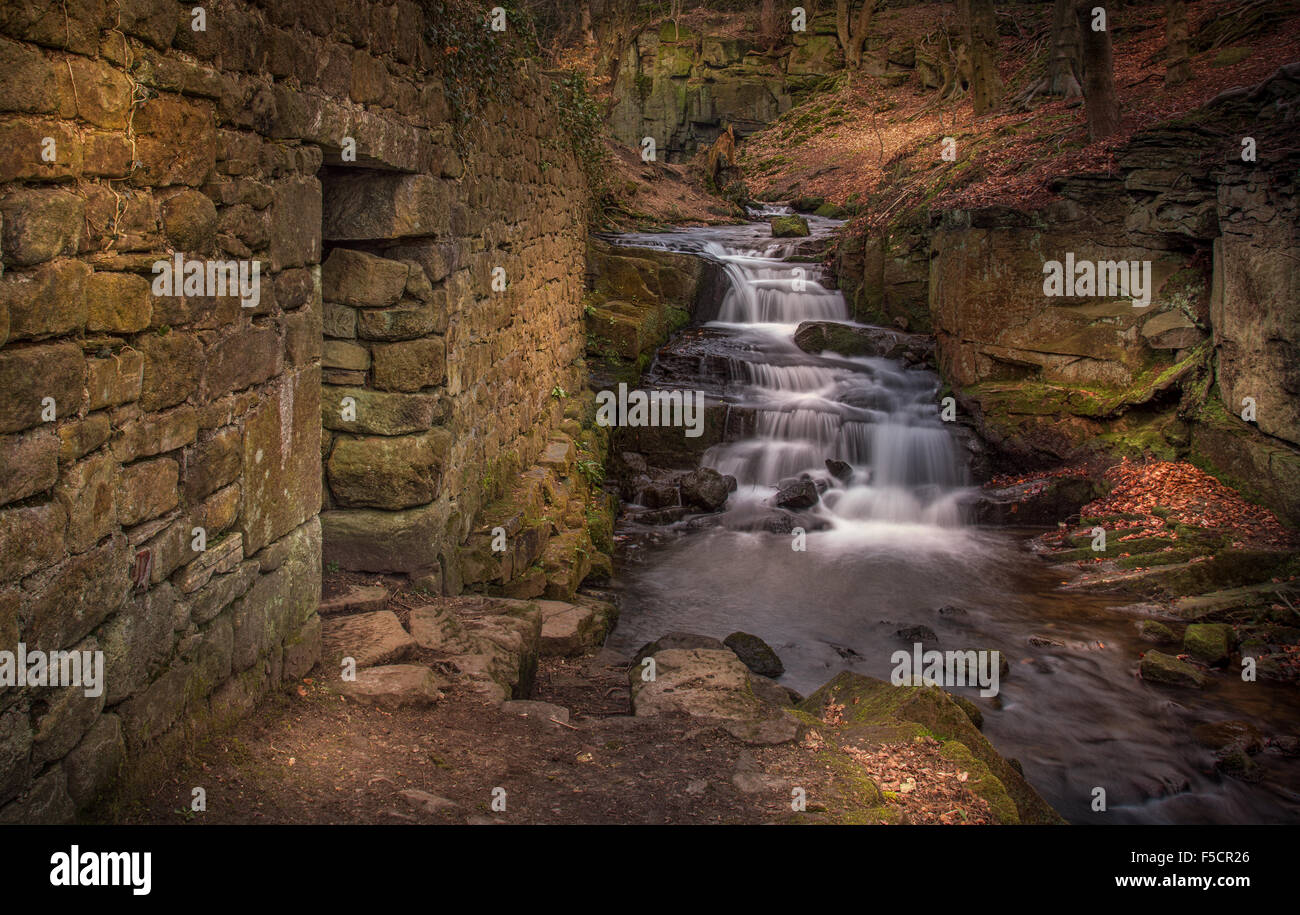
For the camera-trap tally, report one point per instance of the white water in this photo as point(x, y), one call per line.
point(874, 414)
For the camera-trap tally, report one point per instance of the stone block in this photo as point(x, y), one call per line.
point(281, 460)
point(359, 279)
point(147, 490)
point(410, 365)
point(48, 301)
point(87, 493)
point(385, 206)
point(392, 472)
point(31, 462)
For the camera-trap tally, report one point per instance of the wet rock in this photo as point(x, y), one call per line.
point(918, 633)
point(952, 611)
point(1209, 643)
point(840, 470)
point(1286, 744)
point(859, 340)
point(1159, 633)
point(1227, 735)
point(706, 489)
point(756, 654)
point(1236, 763)
point(1036, 501)
point(789, 227)
point(661, 516)
point(798, 495)
point(1045, 641)
point(1158, 667)
point(680, 640)
point(659, 495)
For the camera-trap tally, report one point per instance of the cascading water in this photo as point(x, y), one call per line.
point(886, 550)
point(874, 414)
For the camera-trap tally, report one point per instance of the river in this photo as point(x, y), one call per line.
point(888, 548)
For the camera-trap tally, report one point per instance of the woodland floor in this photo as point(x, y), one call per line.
point(310, 756)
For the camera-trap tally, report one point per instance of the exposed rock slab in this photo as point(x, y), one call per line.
point(369, 638)
point(393, 686)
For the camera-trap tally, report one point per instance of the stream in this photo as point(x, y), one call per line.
point(887, 548)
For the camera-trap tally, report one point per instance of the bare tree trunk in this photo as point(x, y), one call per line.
point(842, 27)
point(981, 34)
point(769, 25)
point(859, 37)
point(1100, 101)
point(1063, 69)
point(853, 33)
point(1178, 64)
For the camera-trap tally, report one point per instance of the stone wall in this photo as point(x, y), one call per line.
point(1048, 379)
point(164, 463)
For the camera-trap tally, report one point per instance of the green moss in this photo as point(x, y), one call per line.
point(983, 783)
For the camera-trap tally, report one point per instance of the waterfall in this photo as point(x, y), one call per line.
point(875, 414)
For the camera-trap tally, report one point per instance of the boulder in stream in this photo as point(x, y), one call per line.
point(756, 654)
point(1153, 631)
point(789, 227)
point(862, 340)
point(706, 489)
point(840, 470)
point(1209, 643)
point(797, 494)
point(1158, 667)
point(678, 640)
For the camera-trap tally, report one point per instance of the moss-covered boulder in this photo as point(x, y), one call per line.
point(1209, 643)
point(1159, 633)
point(1158, 667)
point(789, 227)
point(868, 710)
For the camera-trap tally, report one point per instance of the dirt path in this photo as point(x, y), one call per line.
point(314, 757)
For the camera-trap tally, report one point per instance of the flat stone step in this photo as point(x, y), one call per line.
point(558, 454)
point(370, 638)
point(569, 629)
point(393, 686)
point(356, 599)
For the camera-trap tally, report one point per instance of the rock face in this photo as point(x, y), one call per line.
point(1045, 378)
point(181, 461)
point(684, 89)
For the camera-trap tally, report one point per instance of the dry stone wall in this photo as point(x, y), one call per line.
point(166, 457)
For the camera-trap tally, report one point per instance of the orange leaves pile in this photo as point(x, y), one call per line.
point(1189, 496)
